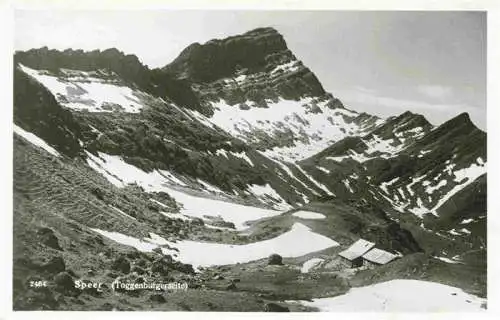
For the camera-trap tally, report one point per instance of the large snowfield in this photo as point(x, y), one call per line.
point(400, 296)
point(312, 127)
point(298, 241)
point(86, 92)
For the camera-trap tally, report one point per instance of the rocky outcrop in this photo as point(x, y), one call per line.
point(255, 66)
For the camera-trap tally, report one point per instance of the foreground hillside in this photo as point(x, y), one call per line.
point(232, 173)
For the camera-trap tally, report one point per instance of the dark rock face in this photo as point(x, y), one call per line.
point(402, 124)
point(457, 136)
point(37, 111)
point(157, 298)
point(261, 55)
point(275, 259)
point(183, 267)
point(274, 307)
point(343, 146)
point(48, 238)
point(64, 283)
point(221, 58)
point(470, 202)
point(128, 67)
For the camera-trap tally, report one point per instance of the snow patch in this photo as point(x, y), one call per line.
point(123, 213)
point(267, 192)
point(312, 131)
point(464, 177)
point(88, 93)
point(221, 152)
point(242, 155)
point(310, 264)
point(401, 296)
point(318, 184)
point(323, 169)
point(420, 209)
point(209, 187)
point(447, 260)
point(384, 185)
point(298, 241)
point(347, 185)
point(430, 189)
point(173, 215)
point(308, 215)
point(467, 221)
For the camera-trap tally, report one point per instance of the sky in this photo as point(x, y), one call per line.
point(380, 62)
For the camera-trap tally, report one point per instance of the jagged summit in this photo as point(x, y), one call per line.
point(111, 59)
point(461, 124)
point(406, 125)
point(462, 120)
point(220, 58)
point(408, 115)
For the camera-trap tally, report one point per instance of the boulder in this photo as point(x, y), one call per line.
point(274, 307)
point(275, 259)
point(64, 283)
point(157, 298)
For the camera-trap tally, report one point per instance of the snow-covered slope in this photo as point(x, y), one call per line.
point(401, 296)
point(98, 91)
point(405, 163)
point(294, 130)
point(120, 173)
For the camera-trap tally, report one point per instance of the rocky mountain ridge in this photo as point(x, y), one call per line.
point(225, 144)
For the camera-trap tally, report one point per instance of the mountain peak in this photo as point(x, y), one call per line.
point(51, 59)
point(404, 122)
point(463, 117)
point(462, 120)
point(219, 58)
point(263, 30)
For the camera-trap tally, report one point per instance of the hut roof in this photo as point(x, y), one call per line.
point(357, 249)
point(379, 256)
